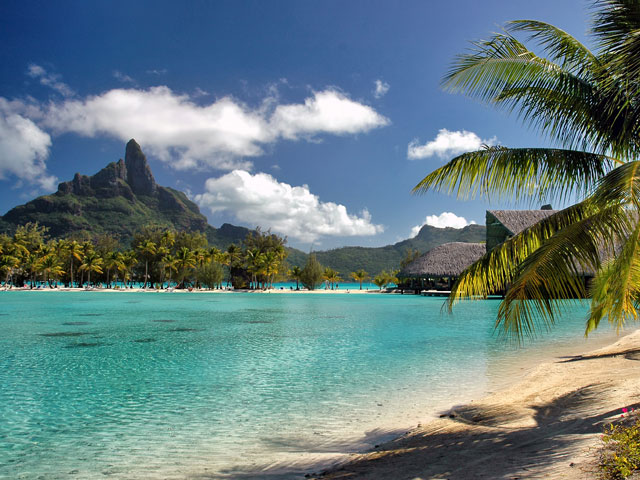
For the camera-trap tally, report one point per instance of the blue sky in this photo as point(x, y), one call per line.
point(292, 115)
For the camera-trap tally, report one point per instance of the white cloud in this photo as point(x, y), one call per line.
point(445, 219)
point(381, 89)
point(24, 147)
point(123, 77)
point(199, 92)
point(328, 111)
point(260, 200)
point(169, 125)
point(185, 134)
point(50, 80)
point(447, 144)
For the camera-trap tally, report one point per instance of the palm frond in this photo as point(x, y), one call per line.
point(616, 289)
point(559, 45)
point(570, 97)
point(496, 270)
point(534, 173)
point(554, 273)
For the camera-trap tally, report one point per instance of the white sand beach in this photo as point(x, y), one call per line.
point(545, 426)
point(320, 291)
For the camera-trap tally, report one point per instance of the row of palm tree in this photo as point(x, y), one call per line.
point(332, 277)
point(30, 256)
point(157, 257)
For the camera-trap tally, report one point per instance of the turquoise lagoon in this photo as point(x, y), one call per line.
point(227, 385)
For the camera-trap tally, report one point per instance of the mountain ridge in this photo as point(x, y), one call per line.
point(117, 200)
point(124, 196)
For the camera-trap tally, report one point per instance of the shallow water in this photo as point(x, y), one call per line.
point(158, 385)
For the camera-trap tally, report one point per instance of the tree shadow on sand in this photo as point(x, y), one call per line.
point(489, 442)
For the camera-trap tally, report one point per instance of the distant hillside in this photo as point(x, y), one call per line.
point(118, 200)
point(124, 196)
point(348, 259)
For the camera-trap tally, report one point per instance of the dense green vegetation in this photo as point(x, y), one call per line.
point(376, 259)
point(157, 258)
point(311, 274)
point(620, 452)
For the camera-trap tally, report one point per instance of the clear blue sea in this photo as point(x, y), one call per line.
point(178, 385)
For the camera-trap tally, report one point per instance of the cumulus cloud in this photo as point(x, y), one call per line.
point(24, 147)
point(261, 200)
point(381, 89)
point(50, 80)
point(447, 144)
point(328, 111)
point(445, 219)
point(185, 134)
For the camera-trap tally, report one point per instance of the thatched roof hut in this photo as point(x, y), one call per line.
point(504, 224)
point(446, 260)
point(517, 220)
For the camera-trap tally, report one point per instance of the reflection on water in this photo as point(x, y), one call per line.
point(251, 382)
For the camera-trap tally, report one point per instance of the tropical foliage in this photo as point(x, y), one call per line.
point(360, 276)
point(384, 278)
point(157, 257)
point(311, 275)
point(587, 103)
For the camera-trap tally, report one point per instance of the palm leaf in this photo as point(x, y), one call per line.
point(496, 270)
point(559, 45)
point(555, 272)
point(574, 98)
point(616, 290)
point(534, 173)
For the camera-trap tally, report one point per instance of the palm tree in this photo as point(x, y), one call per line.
point(8, 264)
point(588, 103)
point(271, 266)
point(381, 280)
point(113, 261)
point(129, 261)
point(91, 263)
point(234, 258)
point(169, 265)
point(74, 252)
point(185, 261)
point(254, 260)
point(50, 266)
point(331, 276)
point(32, 265)
point(296, 273)
point(359, 276)
point(147, 249)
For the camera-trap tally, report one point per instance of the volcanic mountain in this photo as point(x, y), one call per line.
point(118, 200)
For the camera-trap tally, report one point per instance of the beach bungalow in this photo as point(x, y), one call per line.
point(438, 269)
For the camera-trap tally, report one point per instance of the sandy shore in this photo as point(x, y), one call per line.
point(195, 291)
point(545, 426)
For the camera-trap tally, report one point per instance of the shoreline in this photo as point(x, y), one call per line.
point(198, 291)
point(545, 423)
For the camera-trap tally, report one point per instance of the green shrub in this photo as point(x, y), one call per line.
point(620, 455)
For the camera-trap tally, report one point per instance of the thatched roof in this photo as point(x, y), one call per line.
point(517, 220)
point(448, 259)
